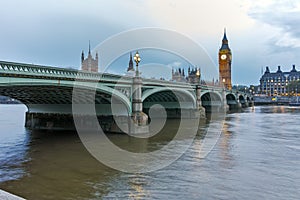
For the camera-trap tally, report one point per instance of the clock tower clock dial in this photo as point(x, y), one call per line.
point(225, 57)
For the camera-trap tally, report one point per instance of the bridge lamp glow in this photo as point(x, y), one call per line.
point(137, 59)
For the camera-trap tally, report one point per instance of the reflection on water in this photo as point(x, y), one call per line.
point(256, 157)
point(14, 142)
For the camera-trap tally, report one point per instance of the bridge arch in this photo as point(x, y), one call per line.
point(242, 100)
point(55, 97)
point(168, 95)
point(230, 97)
point(211, 100)
point(248, 99)
point(176, 102)
point(231, 101)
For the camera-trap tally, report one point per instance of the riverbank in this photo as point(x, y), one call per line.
point(7, 196)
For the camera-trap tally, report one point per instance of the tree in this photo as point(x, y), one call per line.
point(293, 87)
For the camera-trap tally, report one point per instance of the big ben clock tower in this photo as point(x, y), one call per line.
point(225, 63)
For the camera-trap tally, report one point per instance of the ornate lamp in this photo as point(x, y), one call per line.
point(137, 59)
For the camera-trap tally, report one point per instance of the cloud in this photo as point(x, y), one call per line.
point(196, 17)
point(175, 64)
point(282, 15)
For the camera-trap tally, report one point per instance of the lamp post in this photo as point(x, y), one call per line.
point(137, 60)
point(139, 118)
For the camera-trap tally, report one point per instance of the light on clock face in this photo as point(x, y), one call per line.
point(223, 56)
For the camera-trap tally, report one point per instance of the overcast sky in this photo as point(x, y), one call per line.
point(260, 32)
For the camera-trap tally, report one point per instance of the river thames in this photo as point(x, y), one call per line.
point(256, 157)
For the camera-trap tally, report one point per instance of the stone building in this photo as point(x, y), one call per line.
point(276, 83)
point(193, 75)
point(89, 64)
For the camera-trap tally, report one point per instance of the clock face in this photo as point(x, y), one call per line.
point(223, 56)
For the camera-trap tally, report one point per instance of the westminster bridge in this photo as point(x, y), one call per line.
point(50, 94)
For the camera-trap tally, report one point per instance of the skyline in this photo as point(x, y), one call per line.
point(260, 33)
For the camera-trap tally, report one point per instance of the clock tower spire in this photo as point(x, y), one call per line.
point(225, 63)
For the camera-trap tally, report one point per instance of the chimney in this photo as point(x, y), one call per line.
point(294, 69)
point(279, 70)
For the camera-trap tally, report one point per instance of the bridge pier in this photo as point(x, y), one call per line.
point(251, 103)
point(225, 105)
point(65, 122)
point(49, 121)
point(200, 108)
point(139, 118)
point(237, 106)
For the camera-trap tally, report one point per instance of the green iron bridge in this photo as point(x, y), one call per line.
point(50, 92)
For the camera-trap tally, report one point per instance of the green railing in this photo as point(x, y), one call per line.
point(38, 71)
point(20, 69)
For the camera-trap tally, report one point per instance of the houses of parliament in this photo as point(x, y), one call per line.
point(190, 75)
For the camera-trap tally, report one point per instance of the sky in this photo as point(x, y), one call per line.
point(50, 32)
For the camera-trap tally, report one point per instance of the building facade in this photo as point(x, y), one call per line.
point(193, 76)
point(276, 83)
point(89, 64)
point(225, 58)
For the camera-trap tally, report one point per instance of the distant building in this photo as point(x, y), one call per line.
point(276, 83)
point(130, 64)
point(193, 75)
point(89, 64)
point(178, 75)
point(130, 69)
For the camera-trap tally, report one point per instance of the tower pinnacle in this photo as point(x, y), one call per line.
point(225, 42)
point(89, 64)
point(224, 37)
point(130, 66)
point(89, 47)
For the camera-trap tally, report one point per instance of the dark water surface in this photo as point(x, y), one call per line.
point(256, 157)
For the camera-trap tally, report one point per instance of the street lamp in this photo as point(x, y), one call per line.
point(137, 59)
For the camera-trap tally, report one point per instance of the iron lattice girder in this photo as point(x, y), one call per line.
point(52, 95)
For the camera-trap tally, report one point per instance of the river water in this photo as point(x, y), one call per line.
point(256, 157)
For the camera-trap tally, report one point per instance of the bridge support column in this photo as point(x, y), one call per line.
point(238, 104)
point(246, 104)
point(140, 119)
point(49, 121)
point(200, 108)
point(225, 105)
point(251, 103)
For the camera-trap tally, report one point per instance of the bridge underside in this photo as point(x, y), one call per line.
point(243, 101)
point(50, 107)
point(211, 102)
point(232, 102)
point(176, 104)
point(53, 99)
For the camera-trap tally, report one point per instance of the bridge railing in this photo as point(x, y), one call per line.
point(20, 69)
point(27, 70)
